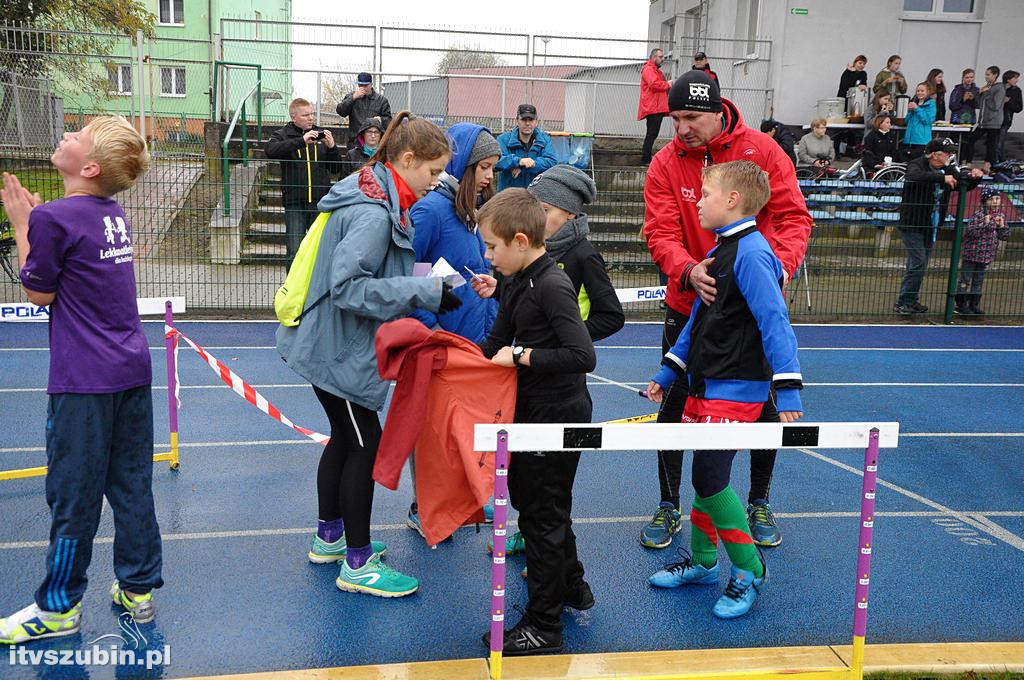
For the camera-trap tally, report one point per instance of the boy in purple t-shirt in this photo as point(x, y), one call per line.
point(76, 256)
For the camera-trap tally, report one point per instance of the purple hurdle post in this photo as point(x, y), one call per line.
point(867, 525)
point(172, 404)
point(498, 555)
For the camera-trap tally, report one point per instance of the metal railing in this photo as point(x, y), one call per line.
point(225, 161)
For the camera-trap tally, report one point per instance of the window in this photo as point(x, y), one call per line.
point(948, 8)
point(259, 25)
point(172, 12)
point(172, 82)
point(119, 78)
point(747, 12)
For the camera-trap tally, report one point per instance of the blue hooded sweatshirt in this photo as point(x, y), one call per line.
point(919, 123)
point(439, 232)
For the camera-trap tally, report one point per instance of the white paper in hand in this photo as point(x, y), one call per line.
point(446, 273)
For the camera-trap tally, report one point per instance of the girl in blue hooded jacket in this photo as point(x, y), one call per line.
point(365, 262)
point(919, 119)
point(444, 225)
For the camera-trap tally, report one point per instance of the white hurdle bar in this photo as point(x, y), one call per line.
point(512, 437)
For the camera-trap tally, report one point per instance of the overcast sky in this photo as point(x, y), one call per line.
point(628, 19)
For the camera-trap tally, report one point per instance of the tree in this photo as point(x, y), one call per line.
point(68, 37)
point(467, 56)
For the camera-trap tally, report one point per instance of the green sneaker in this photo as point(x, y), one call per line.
point(140, 607)
point(513, 546)
point(322, 552)
point(33, 623)
point(376, 578)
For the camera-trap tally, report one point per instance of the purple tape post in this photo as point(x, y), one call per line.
point(867, 525)
point(498, 554)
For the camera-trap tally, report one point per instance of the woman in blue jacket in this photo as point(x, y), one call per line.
point(365, 263)
point(919, 119)
point(445, 226)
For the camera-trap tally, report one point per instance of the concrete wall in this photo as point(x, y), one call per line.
point(809, 52)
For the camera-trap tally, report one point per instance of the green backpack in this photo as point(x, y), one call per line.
point(290, 299)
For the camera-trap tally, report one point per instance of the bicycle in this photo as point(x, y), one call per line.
point(855, 171)
point(892, 172)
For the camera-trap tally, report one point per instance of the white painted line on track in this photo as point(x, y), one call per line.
point(250, 533)
point(993, 530)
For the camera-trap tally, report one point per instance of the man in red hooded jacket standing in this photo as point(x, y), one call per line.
point(710, 130)
point(653, 100)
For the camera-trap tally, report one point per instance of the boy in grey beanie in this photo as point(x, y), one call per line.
point(563, 191)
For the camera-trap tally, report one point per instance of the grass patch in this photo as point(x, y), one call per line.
point(45, 181)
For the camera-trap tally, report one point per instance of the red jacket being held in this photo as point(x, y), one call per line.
point(672, 189)
point(653, 91)
point(444, 387)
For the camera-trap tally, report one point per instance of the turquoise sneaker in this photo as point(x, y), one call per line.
point(140, 607)
point(666, 522)
point(740, 594)
point(514, 545)
point(489, 513)
point(33, 623)
point(376, 578)
point(322, 552)
point(684, 573)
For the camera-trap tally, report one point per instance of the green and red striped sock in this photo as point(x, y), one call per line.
point(703, 537)
point(729, 519)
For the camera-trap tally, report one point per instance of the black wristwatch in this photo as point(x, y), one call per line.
point(517, 354)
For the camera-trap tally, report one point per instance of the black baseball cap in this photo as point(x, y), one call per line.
point(699, 56)
point(364, 78)
point(941, 144)
point(526, 111)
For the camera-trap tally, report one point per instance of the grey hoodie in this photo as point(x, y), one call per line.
point(365, 259)
point(990, 108)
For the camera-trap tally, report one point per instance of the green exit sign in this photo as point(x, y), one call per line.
point(798, 10)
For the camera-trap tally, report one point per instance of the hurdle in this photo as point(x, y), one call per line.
point(506, 438)
point(147, 307)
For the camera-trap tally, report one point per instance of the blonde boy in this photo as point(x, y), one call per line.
point(75, 255)
point(734, 351)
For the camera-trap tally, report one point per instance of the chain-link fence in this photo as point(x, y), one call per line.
point(855, 266)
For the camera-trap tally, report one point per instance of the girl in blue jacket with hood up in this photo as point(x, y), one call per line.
point(365, 261)
point(919, 119)
point(444, 225)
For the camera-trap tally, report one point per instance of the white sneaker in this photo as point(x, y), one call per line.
point(33, 623)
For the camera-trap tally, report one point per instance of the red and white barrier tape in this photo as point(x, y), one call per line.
point(239, 386)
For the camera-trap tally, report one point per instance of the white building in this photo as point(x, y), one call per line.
point(799, 48)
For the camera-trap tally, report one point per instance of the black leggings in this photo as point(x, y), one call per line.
point(670, 463)
point(344, 479)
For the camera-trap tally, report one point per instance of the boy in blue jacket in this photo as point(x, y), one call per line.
point(733, 350)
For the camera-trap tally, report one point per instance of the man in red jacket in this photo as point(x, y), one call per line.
point(653, 100)
point(710, 130)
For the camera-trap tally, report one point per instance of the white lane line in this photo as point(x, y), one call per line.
point(307, 442)
point(250, 533)
point(993, 530)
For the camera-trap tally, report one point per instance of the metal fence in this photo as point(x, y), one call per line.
point(853, 270)
point(30, 114)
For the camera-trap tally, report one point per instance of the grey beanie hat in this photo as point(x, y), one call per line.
point(484, 147)
point(564, 186)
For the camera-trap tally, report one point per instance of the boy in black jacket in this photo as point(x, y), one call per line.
point(308, 156)
point(563, 191)
point(930, 180)
point(539, 330)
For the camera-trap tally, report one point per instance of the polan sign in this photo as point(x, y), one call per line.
point(23, 311)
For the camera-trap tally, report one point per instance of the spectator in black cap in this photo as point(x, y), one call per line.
point(700, 63)
point(526, 151)
point(930, 180)
point(709, 130)
point(362, 104)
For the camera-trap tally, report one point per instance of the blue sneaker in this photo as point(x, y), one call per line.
point(322, 552)
point(666, 521)
point(739, 594)
point(412, 521)
point(762, 524)
point(514, 545)
point(684, 573)
point(489, 513)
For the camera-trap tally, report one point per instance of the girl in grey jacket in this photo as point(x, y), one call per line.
point(364, 263)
